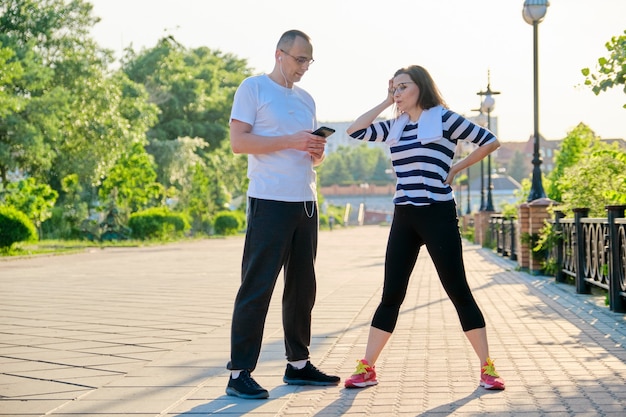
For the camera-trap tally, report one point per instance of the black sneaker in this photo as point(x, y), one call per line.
point(309, 375)
point(246, 387)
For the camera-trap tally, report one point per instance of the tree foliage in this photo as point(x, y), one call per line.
point(611, 71)
point(131, 184)
point(69, 213)
point(175, 159)
point(572, 149)
point(356, 164)
point(33, 199)
point(97, 137)
point(67, 114)
point(211, 184)
point(193, 89)
point(40, 36)
point(597, 179)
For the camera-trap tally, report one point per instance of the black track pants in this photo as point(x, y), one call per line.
point(435, 226)
point(280, 234)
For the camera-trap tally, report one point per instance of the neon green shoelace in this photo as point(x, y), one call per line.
point(489, 368)
point(361, 368)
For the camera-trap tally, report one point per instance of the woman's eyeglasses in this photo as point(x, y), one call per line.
point(299, 59)
point(400, 87)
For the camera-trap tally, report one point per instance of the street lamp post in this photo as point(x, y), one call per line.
point(534, 11)
point(480, 120)
point(487, 106)
point(483, 203)
point(469, 202)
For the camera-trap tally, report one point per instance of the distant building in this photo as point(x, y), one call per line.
point(503, 192)
point(340, 137)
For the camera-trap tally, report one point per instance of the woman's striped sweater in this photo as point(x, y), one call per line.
point(421, 169)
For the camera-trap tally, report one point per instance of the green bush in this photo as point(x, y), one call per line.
point(157, 223)
point(200, 223)
point(468, 233)
point(64, 222)
point(323, 220)
point(229, 222)
point(15, 227)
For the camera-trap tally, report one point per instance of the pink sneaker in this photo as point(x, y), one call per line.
point(489, 378)
point(364, 376)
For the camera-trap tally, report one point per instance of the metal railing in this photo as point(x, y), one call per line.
point(593, 252)
point(502, 233)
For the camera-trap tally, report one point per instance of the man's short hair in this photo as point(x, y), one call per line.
point(287, 38)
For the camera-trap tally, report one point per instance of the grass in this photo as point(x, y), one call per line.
point(47, 247)
point(58, 246)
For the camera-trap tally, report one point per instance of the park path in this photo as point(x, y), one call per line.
point(145, 332)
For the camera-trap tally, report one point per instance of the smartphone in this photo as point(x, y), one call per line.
point(324, 131)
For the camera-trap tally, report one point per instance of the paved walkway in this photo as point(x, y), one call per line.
point(145, 332)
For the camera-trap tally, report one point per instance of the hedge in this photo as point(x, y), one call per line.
point(15, 227)
point(157, 223)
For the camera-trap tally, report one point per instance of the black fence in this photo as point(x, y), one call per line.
point(502, 235)
point(593, 252)
point(589, 251)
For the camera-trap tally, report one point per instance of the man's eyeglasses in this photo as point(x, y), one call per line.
point(299, 59)
point(400, 87)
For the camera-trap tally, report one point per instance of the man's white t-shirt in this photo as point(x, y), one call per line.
point(274, 110)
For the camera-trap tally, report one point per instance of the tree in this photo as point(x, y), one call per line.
point(598, 179)
point(132, 182)
point(230, 169)
point(110, 117)
point(196, 200)
point(193, 89)
point(68, 116)
point(335, 170)
point(23, 78)
point(611, 71)
point(572, 149)
point(211, 185)
point(10, 70)
point(175, 159)
point(383, 168)
point(38, 34)
point(68, 214)
point(33, 199)
point(356, 164)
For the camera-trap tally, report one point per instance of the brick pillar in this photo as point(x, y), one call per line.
point(481, 227)
point(538, 215)
point(523, 247)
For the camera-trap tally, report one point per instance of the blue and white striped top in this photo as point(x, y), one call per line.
point(421, 168)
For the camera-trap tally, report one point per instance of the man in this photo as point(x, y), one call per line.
point(271, 121)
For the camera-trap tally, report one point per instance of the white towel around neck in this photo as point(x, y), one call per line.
point(429, 127)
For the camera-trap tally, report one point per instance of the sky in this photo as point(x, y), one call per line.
point(359, 44)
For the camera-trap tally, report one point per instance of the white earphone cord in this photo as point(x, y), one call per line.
point(306, 210)
point(282, 73)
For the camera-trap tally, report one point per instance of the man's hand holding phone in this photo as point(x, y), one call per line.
point(324, 131)
point(316, 147)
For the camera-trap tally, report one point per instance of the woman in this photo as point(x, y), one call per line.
point(422, 140)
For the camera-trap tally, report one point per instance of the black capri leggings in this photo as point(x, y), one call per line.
point(436, 226)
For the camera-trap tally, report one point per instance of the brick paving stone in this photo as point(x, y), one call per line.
point(145, 332)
